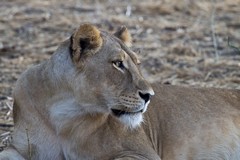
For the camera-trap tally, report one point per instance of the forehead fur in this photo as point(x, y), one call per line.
point(113, 39)
point(132, 54)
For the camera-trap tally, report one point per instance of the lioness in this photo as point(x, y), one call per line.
point(89, 100)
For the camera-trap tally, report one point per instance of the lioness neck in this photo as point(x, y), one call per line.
point(46, 83)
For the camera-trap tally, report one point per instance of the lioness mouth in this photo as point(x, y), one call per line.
point(118, 113)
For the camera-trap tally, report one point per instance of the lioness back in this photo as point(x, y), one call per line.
point(194, 124)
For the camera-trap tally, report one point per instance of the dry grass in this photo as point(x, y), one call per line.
point(181, 42)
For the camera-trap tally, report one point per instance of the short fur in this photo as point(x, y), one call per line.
point(124, 35)
point(94, 112)
point(86, 38)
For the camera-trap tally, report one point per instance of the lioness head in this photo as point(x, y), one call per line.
point(107, 78)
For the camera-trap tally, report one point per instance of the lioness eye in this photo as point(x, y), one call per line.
point(118, 64)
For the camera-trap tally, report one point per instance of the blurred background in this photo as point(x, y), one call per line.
point(180, 42)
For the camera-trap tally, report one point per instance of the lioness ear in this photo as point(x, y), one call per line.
point(124, 35)
point(85, 40)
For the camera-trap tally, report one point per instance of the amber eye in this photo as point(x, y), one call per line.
point(118, 64)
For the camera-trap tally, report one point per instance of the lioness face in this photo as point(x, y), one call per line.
point(108, 80)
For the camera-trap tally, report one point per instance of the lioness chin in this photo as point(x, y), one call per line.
point(88, 100)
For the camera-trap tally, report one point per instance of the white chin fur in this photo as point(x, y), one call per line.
point(146, 106)
point(131, 121)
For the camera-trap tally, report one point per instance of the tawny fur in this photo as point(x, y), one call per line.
point(64, 112)
point(124, 35)
point(89, 33)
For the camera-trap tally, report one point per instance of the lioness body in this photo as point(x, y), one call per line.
point(194, 124)
point(87, 102)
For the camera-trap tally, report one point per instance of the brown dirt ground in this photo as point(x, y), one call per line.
point(180, 42)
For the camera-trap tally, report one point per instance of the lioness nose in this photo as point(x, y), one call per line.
point(145, 96)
